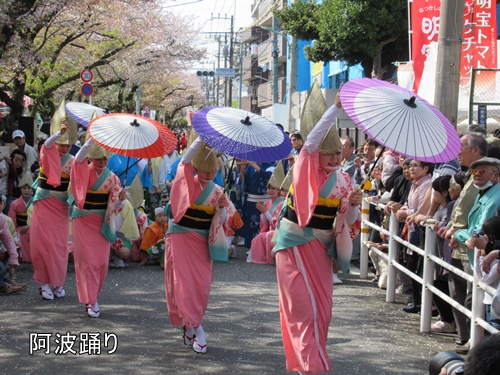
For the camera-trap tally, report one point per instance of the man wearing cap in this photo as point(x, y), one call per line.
point(321, 217)
point(98, 195)
point(20, 141)
point(485, 172)
point(200, 212)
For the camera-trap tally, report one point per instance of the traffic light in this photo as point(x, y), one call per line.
point(205, 73)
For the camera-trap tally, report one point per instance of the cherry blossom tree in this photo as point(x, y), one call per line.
point(127, 44)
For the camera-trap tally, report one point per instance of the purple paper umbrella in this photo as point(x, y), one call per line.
point(400, 120)
point(241, 134)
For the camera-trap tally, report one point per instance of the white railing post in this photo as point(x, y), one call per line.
point(393, 257)
point(478, 308)
point(363, 254)
point(427, 278)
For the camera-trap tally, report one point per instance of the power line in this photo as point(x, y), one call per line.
point(179, 5)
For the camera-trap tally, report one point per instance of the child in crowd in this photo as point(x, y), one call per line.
point(235, 223)
point(260, 251)
point(153, 241)
point(18, 212)
point(379, 263)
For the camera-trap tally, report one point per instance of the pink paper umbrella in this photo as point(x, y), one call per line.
point(400, 120)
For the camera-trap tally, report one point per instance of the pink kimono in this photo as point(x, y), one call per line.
point(305, 242)
point(142, 222)
point(18, 212)
point(50, 219)
point(261, 245)
point(188, 262)
point(93, 230)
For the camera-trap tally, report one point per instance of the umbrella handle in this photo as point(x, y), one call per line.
point(367, 178)
point(228, 188)
point(128, 167)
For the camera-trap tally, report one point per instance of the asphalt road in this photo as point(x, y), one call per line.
point(367, 335)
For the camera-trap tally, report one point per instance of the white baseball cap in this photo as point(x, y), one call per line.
point(18, 133)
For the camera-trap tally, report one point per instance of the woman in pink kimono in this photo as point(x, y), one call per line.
point(195, 237)
point(18, 212)
point(50, 219)
point(306, 239)
point(98, 195)
point(261, 249)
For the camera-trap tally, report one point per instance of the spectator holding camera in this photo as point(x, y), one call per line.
point(363, 162)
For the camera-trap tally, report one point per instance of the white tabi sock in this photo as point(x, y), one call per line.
point(200, 335)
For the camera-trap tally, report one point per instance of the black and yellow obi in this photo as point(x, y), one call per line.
point(323, 216)
point(198, 217)
point(96, 200)
point(42, 182)
point(21, 219)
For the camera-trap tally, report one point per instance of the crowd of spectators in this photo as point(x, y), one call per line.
point(462, 198)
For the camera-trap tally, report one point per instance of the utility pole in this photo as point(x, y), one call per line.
point(275, 60)
point(213, 87)
point(240, 63)
point(448, 60)
point(218, 78)
point(231, 57)
point(226, 53)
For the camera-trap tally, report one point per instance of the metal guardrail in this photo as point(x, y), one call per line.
point(477, 312)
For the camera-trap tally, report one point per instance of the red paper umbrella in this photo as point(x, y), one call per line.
point(132, 135)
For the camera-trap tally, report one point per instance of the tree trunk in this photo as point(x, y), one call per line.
point(378, 70)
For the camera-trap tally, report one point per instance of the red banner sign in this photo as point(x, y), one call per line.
point(479, 35)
